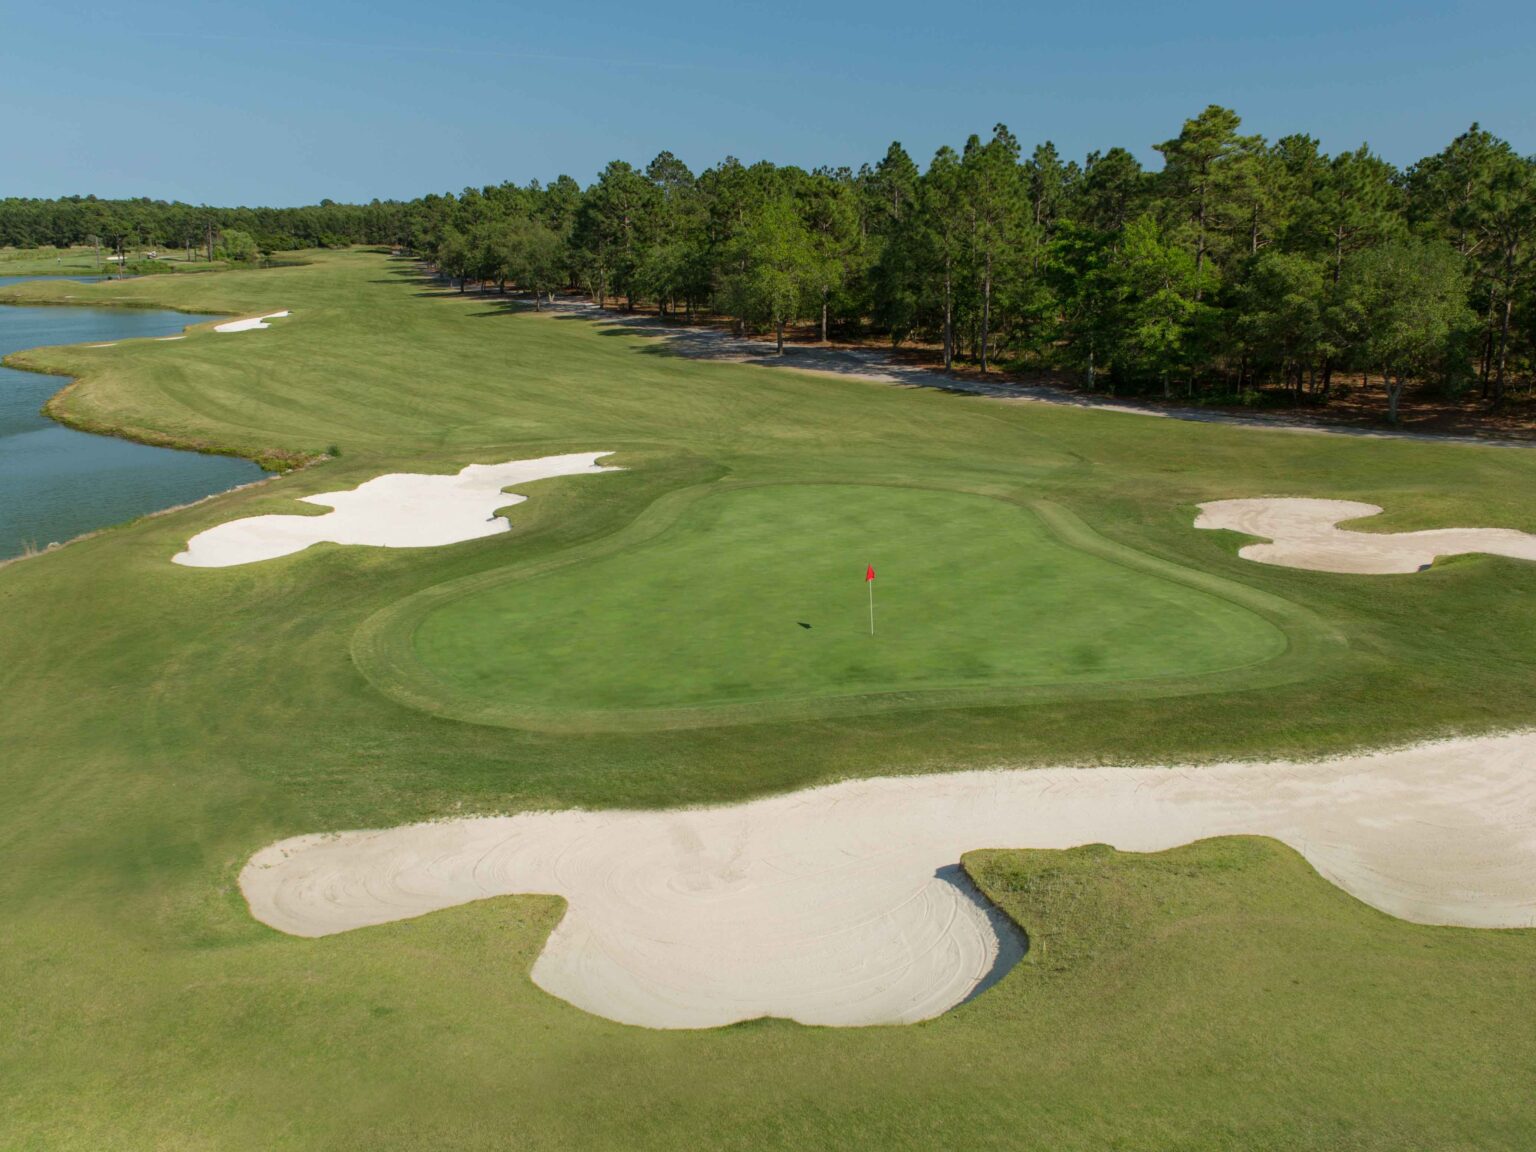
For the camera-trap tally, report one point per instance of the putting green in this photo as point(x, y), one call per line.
point(755, 599)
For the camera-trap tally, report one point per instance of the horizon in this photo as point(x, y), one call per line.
point(312, 106)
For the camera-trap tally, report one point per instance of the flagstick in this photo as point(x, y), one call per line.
point(871, 584)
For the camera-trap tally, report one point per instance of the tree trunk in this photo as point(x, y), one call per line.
point(778, 328)
point(949, 322)
point(986, 311)
point(825, 293)
point(1394, 390)
point(1090, 366)
point(1498, 379)
point(1200, 248)
point(1487, 358)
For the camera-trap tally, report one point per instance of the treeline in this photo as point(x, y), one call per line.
point(1240, 264)
point(132, 225)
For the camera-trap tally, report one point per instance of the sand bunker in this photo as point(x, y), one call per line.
point(398, 510)
point(249, 323)
point(842, 905)
point(1303, 534)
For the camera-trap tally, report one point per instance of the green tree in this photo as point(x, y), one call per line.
point(1113, 191)
point(1205, 169)
point(994, 202)
point(829, 206)
point(535, 258)
point(669, 264)
point(941, 230)
point(1505, 209)
point(1404, 303)
point(1281, 308)
point(235, 245)
point(1080, 274)
point(783, 272)
point(1159, 314)
point(611, 229)
point(1345, 205)
point(1048, 184)
point(452, 256)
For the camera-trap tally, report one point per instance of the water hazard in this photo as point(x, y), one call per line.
point(55, 482)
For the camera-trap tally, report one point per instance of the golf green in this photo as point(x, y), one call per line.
point(758, 595)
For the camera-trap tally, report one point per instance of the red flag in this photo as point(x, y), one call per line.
point(869, 574)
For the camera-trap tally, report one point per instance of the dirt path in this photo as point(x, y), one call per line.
point(867, 364)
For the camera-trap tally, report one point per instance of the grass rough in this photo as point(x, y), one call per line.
point(161, 723)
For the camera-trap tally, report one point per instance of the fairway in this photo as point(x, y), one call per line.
point(632, 642)
point(758, 595)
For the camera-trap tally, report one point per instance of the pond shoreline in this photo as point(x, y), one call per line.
point(56, 545)
point(55, 479)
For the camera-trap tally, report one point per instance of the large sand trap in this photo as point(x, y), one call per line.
point(1303, 534)
point(398, 510)
point(840, 905)
point(249, 323)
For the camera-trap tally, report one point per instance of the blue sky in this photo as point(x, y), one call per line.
point(284, 103)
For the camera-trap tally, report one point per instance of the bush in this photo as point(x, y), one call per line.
point(237, 246)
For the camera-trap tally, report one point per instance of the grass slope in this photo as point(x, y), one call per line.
point(160, 723)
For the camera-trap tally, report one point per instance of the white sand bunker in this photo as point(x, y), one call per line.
point(249, 323)
point(398, 510)
point(1304, 534)
point(840, 905)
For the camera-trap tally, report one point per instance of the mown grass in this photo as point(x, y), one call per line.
point(756, 597)
point(83, 261)
point(49, 261)
point(161, 723)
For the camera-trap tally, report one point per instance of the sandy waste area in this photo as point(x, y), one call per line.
point(844, 905)
point(250, 323)
point(1305, 534)
point(397, 510)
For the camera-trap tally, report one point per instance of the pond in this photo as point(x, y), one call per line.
point(57, 483)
